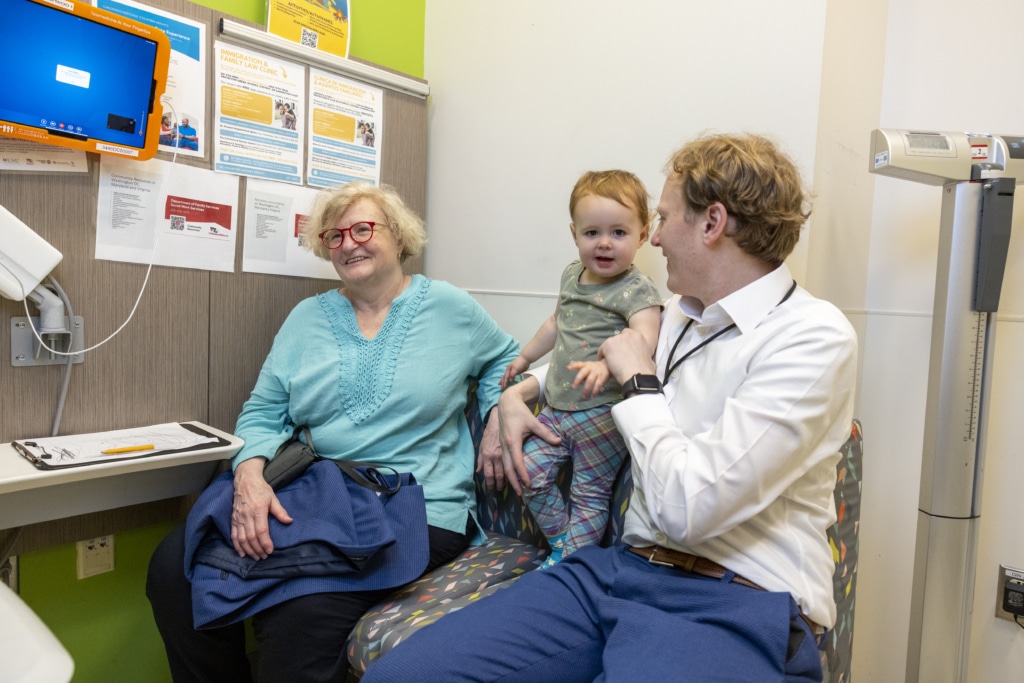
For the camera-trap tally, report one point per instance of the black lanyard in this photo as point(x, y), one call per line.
point(671, 367)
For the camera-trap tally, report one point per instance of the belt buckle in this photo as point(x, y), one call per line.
point(651, 560)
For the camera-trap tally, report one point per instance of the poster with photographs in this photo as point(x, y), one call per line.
point(345, 130)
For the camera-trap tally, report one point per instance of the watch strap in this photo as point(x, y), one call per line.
point(641, 383)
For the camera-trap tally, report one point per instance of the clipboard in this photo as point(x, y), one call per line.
point(81, 450)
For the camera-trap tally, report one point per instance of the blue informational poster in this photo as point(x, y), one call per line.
point(183, 118)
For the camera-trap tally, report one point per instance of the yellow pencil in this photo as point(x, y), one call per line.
point(129, 449)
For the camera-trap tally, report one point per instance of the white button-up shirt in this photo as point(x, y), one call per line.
point(736, 462)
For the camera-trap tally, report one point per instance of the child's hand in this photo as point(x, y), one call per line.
point(591, 374)
point(516, 367)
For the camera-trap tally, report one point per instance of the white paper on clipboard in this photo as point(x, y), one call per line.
point(87, 449)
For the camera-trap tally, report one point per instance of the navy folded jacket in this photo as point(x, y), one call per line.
point(344, 537)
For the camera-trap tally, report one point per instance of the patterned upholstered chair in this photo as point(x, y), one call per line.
point(515, 546)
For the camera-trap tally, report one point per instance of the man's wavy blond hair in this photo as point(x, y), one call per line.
point(758, 185)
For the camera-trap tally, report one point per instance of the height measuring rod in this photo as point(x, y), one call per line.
point(978, 174)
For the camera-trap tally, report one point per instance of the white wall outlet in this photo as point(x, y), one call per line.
point(95, 556)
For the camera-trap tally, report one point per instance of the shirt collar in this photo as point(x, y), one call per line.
point(746, 307)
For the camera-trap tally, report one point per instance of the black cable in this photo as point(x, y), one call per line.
point(1016, 619)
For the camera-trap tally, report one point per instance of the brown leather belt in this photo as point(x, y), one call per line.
point(695, 564)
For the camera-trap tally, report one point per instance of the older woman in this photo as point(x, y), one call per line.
point(379, 370)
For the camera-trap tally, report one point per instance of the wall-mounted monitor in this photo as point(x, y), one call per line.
point(77, 76)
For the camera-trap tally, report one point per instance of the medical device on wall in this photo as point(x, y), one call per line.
point(978, 174)
point(25, 259)
point(78, 76)
point(25, 256)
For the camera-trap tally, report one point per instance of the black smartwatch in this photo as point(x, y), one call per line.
point(641, 384)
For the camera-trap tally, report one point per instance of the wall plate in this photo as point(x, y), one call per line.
point(25, 349)
point(1004, 574)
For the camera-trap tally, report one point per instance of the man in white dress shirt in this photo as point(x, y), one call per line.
point(733, 430)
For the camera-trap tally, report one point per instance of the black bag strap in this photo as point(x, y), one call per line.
point(370, 476)
point(366, 474)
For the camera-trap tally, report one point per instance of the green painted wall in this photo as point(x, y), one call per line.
point(385, 32)
point(105, 621)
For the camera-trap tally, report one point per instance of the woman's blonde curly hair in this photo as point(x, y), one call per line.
point(330, 204)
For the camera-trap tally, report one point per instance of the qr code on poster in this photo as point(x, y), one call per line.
point(178, 223)
point(309, 38)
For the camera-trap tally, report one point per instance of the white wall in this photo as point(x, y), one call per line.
point(937, 76)
point(527, 95)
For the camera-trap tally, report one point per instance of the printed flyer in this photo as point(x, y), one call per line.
point(170, 214)
point(183, 120)
point(258, 123)
point(275, 214)
point(346, 131)
point(323, 25)
point(25, 155)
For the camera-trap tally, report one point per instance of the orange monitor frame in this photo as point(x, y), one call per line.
point(55, 134)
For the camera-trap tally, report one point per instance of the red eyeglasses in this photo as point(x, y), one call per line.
point(359, 232)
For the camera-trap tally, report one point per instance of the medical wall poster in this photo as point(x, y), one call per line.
point(186, 215)
point(320, 24)
point(273, 242)
point(345, 130)
point(258, 120)
point(28, 156)
point(183, 120)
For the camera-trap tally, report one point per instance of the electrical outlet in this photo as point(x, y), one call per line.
point(95, 556)
point(1010, 593)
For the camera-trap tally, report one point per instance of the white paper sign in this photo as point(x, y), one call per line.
point(187, 215)
point(273, 241)
point(25, 155)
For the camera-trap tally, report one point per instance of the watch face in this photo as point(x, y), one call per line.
point(641, 384)
point(647, 383)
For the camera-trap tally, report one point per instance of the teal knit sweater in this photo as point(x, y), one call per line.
point(397, 399)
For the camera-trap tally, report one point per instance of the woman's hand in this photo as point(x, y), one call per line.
point(516, 422)
point(489, 458)
point(251, 508)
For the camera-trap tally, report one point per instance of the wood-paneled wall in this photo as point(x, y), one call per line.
point(198, 339)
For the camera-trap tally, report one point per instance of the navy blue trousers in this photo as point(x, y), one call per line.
point(606, 614)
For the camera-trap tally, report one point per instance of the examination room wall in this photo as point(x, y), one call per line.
point(563, 89)
point(170, 363)
point(526, 96)
point(938, 76)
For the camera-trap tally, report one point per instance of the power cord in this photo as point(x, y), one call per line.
point(164, 100)
point(67, 305)
point(113, 334)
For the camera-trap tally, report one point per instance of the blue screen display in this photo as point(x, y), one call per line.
point(73, 76)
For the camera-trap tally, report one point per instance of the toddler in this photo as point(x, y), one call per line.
point(600, 294)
